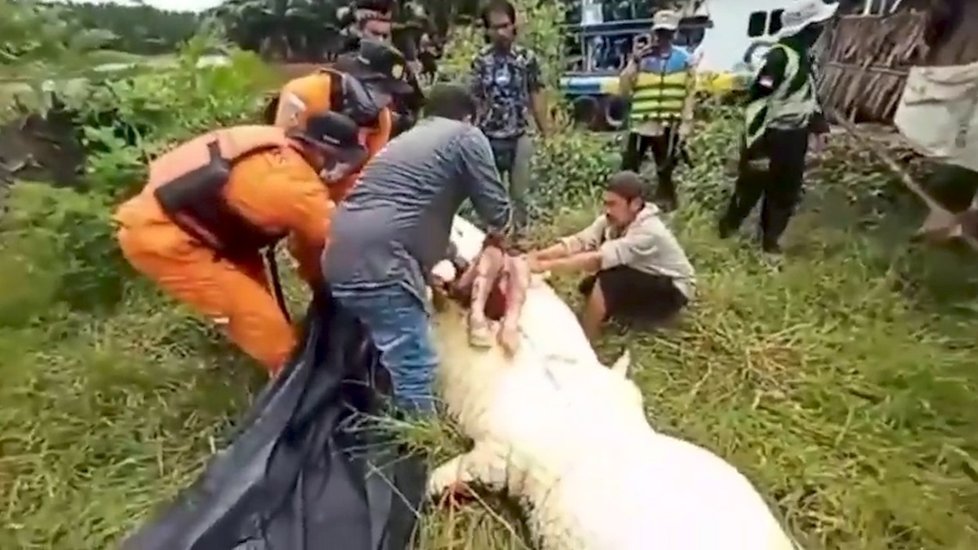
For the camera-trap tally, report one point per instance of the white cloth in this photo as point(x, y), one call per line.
point(938, 113)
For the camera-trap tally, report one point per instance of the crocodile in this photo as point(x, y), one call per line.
point(569, 439)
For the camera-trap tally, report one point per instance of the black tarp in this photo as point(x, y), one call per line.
point(305, 470)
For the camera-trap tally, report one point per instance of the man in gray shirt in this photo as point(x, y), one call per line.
point(394, 226)
point(638, 270)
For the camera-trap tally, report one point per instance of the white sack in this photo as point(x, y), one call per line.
point(938, 113)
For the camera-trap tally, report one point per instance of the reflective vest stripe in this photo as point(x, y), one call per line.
point(662, 109)
point(645, 80)
point(665, 91)
point(790, 105)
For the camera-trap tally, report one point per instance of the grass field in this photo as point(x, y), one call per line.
point(844, 385)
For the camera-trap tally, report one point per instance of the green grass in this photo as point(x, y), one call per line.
point(844, 385)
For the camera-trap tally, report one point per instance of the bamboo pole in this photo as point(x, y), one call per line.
point(939, 219)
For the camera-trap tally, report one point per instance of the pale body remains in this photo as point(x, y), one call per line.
point(569, 438)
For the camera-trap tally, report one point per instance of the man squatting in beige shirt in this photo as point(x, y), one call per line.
point(637, 269)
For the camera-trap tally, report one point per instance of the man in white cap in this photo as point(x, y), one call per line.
point(659, 81)
point(781, 116)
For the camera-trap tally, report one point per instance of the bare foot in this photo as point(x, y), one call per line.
point(509, 339)
point(480, 336)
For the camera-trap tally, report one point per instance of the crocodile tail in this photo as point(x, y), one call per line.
point(621, 364)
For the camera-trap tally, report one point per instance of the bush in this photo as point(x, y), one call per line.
point(123, 124)
point(539, 30)
point(153, 111)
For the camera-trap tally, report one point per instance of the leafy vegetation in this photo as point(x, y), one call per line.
point(33, 34)
point(843, 384)
point(139, 29)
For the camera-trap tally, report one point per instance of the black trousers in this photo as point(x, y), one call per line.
point(665, 152)
point(630, 294)
point(772, 172)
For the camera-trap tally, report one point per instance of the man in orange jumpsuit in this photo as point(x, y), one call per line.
point(213, 203)
point(360, 87)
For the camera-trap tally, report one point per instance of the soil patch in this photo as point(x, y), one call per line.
point(42, 148)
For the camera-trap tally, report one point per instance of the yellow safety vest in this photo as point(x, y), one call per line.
point(661, 90)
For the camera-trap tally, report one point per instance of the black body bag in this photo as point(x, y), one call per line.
point(305, 470)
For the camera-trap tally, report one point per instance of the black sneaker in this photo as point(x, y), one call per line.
point(724, 230)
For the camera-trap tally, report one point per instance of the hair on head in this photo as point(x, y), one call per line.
point(497, 6)
point(450, 101)
point(627, 185)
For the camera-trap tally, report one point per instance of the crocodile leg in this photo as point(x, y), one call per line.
point(474, 467)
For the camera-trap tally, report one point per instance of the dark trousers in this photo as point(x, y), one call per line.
point(630, 294)
point(513, 157)
point(778, 184)
point(665, 151)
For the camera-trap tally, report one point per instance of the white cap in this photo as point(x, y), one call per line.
point(666, 20)
point(803, 14)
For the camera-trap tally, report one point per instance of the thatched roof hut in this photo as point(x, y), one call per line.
point(866, 57)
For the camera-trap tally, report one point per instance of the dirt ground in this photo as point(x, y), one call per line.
point(41, 148)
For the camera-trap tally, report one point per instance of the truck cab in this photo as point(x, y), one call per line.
point(598, 51)
point(728, 39)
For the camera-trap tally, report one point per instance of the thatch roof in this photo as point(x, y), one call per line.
point(866, 58)
point(865, 63)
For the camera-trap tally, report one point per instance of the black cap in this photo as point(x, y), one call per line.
point(334, 131)
point(377, 63)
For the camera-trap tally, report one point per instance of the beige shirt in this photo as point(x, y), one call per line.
point(646, 245)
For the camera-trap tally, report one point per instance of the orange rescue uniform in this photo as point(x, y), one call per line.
point(256, 188)
point(322, 91)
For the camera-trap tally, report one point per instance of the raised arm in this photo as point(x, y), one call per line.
point(626, 81)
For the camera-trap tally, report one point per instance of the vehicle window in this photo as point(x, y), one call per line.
point(756, 24)
point(775, 24)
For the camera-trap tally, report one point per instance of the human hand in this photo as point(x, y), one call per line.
point(685, 128)
point(509, 338)
point(443, 273)
point(640, 49)
point(818, 142)
point(536, 265)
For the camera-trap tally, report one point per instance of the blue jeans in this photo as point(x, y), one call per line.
point(398, 325)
